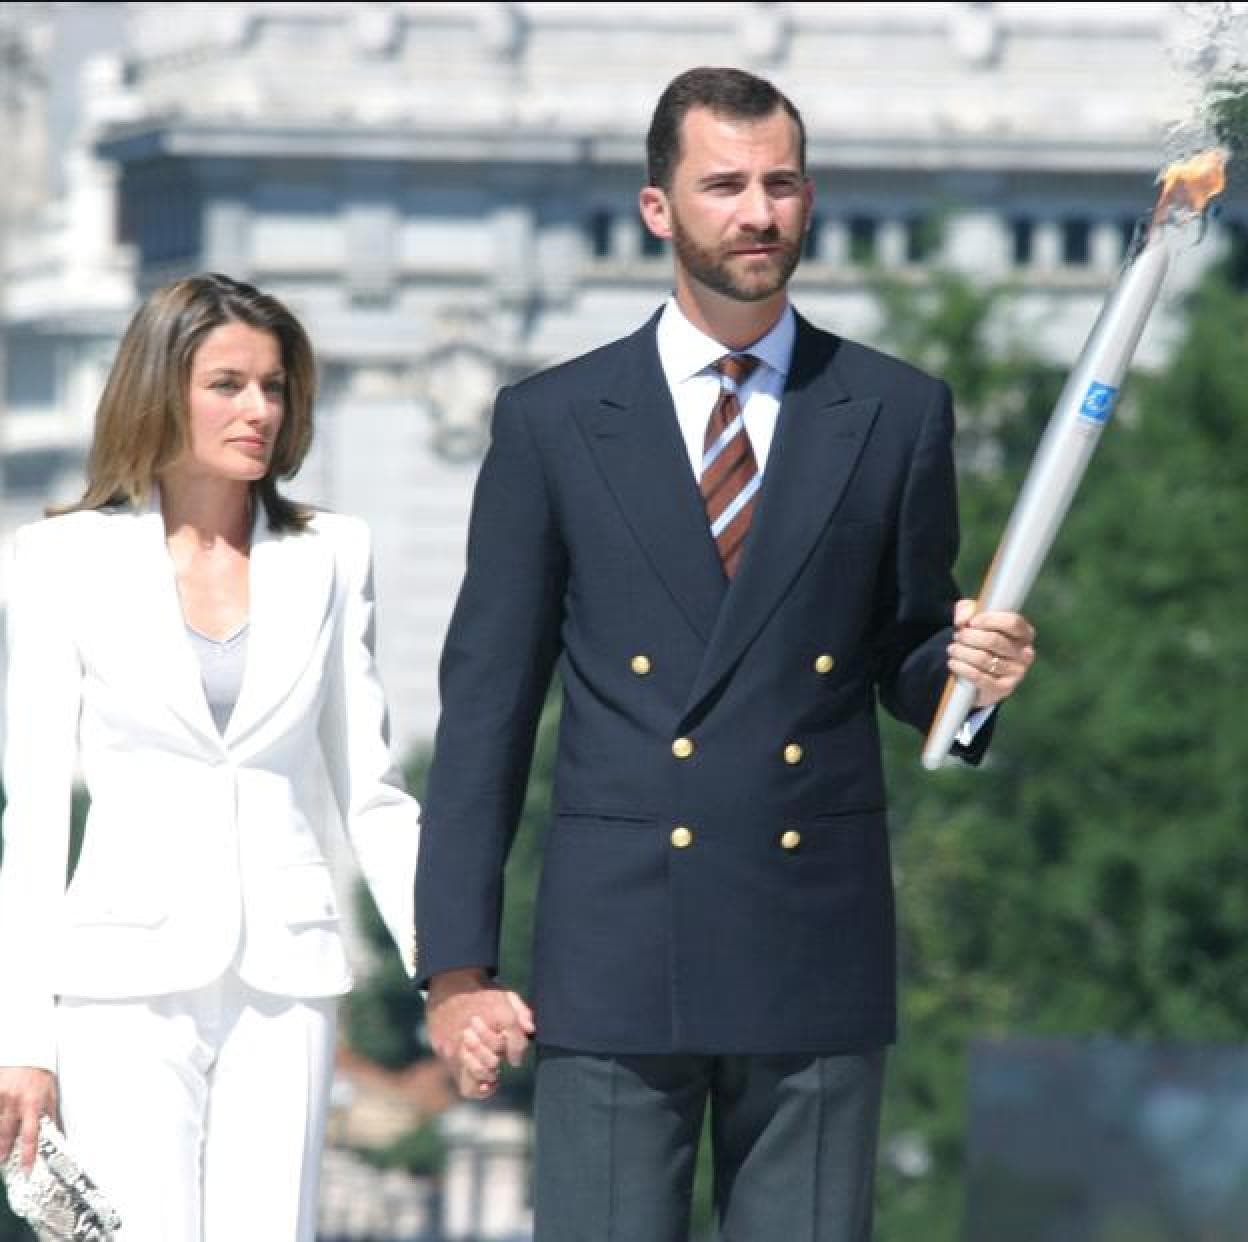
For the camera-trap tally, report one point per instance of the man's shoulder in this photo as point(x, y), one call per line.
point(864, 367)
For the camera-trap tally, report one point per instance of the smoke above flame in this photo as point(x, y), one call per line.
point(1188, 185)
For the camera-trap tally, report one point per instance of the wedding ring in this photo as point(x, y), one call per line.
point(993, 665)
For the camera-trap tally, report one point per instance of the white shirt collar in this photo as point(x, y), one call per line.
point(686, 351)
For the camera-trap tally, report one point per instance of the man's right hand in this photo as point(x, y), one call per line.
point(474, 1025)
point(26, 1094)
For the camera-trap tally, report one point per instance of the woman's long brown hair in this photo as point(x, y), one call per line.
point(142, 422)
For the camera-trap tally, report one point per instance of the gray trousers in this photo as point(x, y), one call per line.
point(793, 1142)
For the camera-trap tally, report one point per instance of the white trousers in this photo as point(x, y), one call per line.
point(201, 1114)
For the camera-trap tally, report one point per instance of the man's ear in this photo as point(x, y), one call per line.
point(655, 211)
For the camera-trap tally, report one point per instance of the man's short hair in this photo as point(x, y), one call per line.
point(730, 93)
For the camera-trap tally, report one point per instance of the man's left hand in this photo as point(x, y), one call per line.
point(991, 649)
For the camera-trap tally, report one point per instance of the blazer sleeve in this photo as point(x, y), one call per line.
point(43, 697)
point(496, 668)
point(382, 820)
point(917, 624)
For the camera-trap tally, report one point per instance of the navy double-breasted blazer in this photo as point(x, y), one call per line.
point(716, 874)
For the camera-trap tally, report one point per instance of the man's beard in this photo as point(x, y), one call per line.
point(712, 269)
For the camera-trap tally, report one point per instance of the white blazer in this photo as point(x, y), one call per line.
point(199, 848)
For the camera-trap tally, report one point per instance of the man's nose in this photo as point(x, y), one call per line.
point(756, 209)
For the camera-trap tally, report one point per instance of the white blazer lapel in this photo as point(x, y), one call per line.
point(291, 586)
point(147, 586)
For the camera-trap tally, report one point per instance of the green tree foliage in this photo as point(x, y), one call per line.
point(1091, 877)
point(420, 1151)
point(951, 327)
point(384, 1014)
point(1228, 101)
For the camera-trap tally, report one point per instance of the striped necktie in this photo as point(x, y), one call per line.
point(730, 478)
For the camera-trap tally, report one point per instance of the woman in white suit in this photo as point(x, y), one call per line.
point(195, 644)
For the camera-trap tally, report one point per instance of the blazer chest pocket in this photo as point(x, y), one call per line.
point(306, 894)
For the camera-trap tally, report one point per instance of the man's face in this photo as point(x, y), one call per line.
point(738, 205)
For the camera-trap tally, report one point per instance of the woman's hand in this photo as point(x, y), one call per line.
point(474, 1025)
point(26, 1094)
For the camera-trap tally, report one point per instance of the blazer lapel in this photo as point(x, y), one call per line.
point(633, 435)
point(291, 581)
point(819, 436)
point(155, 628)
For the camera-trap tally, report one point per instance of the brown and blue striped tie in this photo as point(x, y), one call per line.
point(730, 478)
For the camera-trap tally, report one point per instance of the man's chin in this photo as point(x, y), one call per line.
point(753, 291)
point(764, 281)
point(755, 295)
point(763, 278)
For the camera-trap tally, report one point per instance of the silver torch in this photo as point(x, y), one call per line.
point(1079, 417)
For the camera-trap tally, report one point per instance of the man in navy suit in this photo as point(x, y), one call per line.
point(728, 563)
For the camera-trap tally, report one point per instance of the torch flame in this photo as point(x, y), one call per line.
point(1188, 185)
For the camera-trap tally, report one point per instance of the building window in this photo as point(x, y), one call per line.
point(1127, 227)
point(1022, 241)
point(160, 213)
point(1076, 242)
point(810, 244)
point(651, 247)
point(922, 239)
point(863, 235)
point(29, 380)
point(1237, 253)
point(598, 233)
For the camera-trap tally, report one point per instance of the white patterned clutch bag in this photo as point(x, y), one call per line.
point(56, 1198)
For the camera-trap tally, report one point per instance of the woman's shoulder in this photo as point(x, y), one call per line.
point(339, 527)
point(349, 542)
point(67, 530)
point(347, 534)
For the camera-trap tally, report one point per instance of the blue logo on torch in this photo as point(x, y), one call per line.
point(1098, 404)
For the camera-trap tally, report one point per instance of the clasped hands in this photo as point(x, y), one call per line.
point(991, 649)
point(474, 1026)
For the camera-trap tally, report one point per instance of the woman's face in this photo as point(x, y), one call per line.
point(236, 401)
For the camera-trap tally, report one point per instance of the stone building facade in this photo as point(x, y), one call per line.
point(446, 193)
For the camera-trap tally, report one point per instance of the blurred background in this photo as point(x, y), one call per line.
point(445, 193)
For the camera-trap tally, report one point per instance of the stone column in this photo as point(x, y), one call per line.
point(833, 242)
point(890, 243)
point(1106, 246)
point(977, 243)
point(371, 234)
point(1046, 245)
